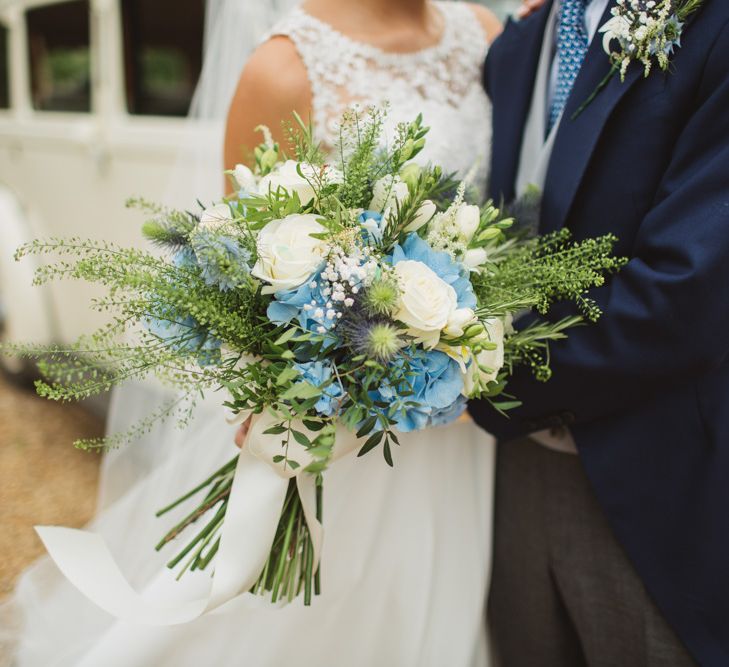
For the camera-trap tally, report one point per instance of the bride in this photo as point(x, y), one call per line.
point(407, 550)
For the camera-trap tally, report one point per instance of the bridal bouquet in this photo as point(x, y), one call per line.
point(339, 301)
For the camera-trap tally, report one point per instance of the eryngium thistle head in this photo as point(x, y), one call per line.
point(377, 339)
point(381, 296)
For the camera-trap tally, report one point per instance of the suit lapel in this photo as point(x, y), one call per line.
point(513, 62)
point(577, 138)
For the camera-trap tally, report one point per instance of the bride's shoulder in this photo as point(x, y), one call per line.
point(275, 77)
point(490, 23)
point(273, 85)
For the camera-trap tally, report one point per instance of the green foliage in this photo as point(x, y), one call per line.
point(544, 270)
point(530, 347)
point(359, 145)
point(166, 228)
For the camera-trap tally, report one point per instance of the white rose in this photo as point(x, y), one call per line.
point(475, 257)
point(486, 365)
point(423, 216)
point(388, 193)
point(287, 253)
point(427, 303)
point(288, 178)
point(468, 218)
point(244, 178)
point(212, 219)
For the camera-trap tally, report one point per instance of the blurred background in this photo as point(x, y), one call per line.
point(93, 100)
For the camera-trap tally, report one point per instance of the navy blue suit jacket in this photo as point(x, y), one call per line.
point(646, 389)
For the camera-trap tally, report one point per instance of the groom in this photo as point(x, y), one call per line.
point(612, 519)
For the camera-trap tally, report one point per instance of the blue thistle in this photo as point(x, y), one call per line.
point(222, 259)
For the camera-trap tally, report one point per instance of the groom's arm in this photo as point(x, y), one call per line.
point(666, 314)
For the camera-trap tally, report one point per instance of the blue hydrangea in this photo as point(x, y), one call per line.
point(289, 305)
point(222, 259)
point(187, 335)
point(371, 222)
point(319, 373)
point(452, 272)
point(437, 385)
point(449, 414)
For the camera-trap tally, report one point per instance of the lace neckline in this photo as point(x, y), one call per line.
point(370, 50)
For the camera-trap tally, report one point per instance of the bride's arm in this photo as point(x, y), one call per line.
point(489, 22)
point(273, 85)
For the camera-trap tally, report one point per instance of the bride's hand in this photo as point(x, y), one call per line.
point(528, 7)
point(242, 433)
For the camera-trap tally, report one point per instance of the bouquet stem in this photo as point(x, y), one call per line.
point(289, 568)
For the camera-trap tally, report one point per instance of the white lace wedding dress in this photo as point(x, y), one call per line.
point(406, 557)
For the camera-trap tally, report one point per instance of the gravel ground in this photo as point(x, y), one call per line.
point(43, 479)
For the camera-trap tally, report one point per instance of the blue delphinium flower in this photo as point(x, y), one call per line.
point(186, 335)
point(319, 373)
point(445, 267)
point(436, 383)
point(222, 259)
point(371, 222)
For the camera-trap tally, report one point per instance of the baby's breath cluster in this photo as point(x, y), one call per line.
point(344, 276)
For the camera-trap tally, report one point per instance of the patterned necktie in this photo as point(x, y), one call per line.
point(572, 44)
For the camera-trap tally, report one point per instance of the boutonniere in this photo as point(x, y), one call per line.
point(646, 32)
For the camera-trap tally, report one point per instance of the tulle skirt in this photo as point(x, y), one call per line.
point(405, 562)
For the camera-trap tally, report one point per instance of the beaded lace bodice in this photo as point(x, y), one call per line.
point(443, 82)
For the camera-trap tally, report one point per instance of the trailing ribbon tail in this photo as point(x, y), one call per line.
point(254, 509)
point(252, 517)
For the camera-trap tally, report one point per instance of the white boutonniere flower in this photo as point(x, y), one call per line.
point(647, 32)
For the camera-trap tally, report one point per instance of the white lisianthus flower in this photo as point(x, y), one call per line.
point(287, 253)
point(486, 365)
point(467, 219)
point(423, 216)
point(618, 27)
point(214, 218)
point(426, 303)
point(475, 257)
point(459, 321)
point(461, 354)
point(388, 192)
point(287, 177)
point(244, 178)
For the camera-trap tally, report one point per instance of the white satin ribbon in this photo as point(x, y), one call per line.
point(254, 509)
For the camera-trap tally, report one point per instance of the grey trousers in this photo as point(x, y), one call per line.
point(563, 592)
